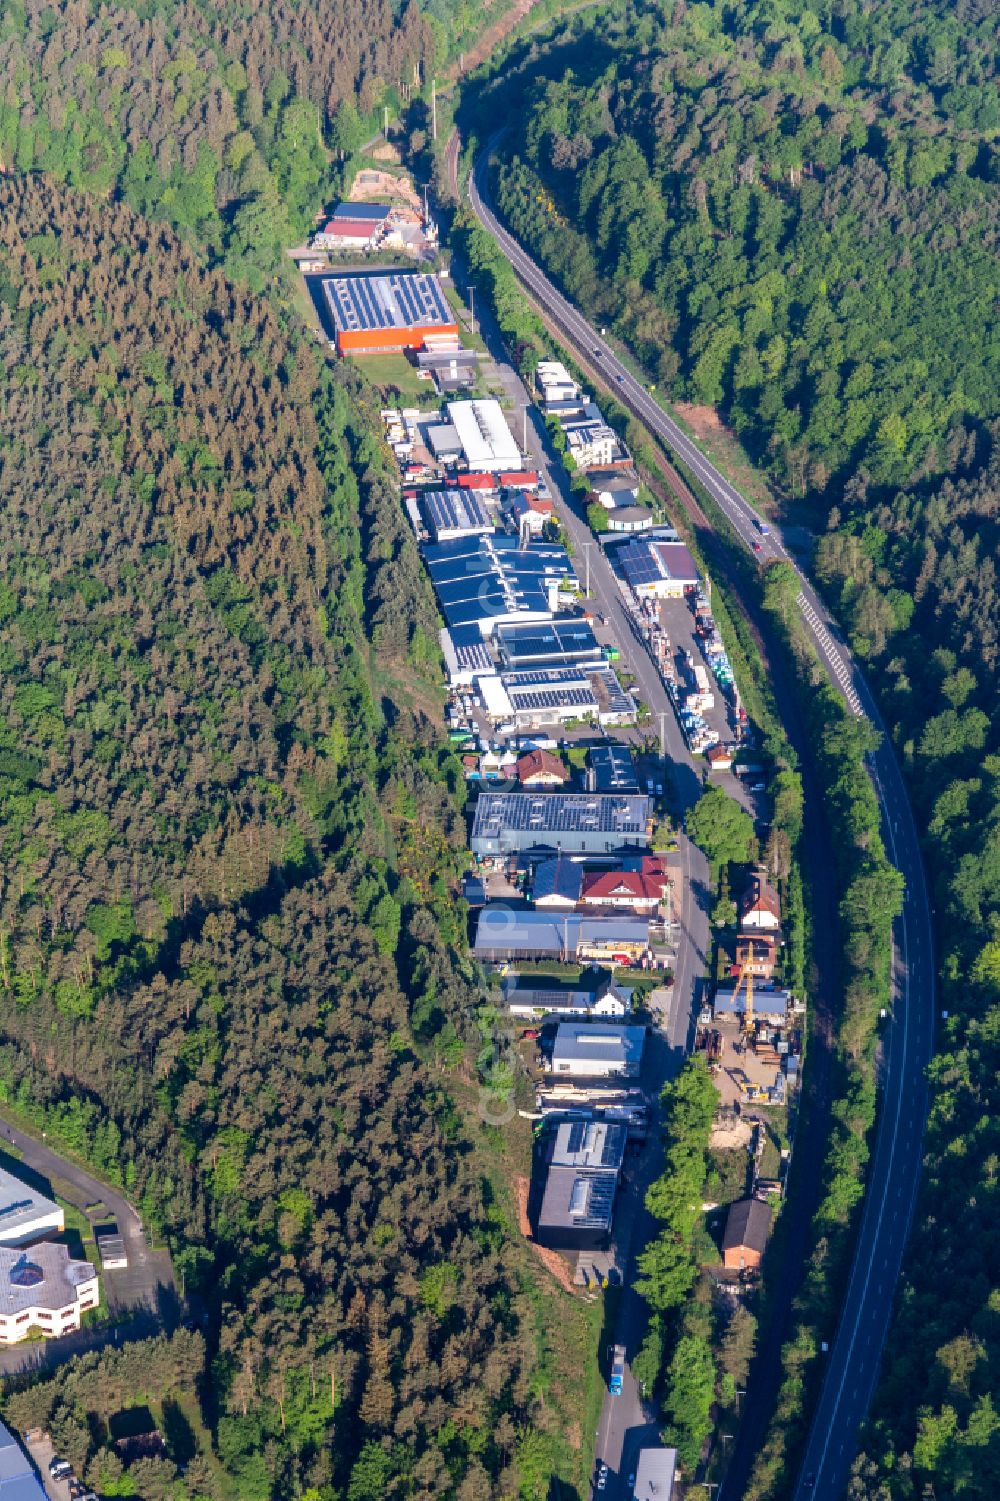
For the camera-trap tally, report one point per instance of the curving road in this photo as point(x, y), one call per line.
point(856, 1349)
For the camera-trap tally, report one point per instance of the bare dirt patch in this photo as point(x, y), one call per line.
point(704, 422)
point(493, 36)
point(551, 1260)
point(371, 185)
point(729, 1134)
point(723, 447)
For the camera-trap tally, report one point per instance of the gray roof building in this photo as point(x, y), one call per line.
point(584, 1163)
point(552, 642)
point(455, 513)
point(765, 1002)
point(503, 933)
point(589, 1144)
point(41, 1276)
point(577, 1209)
point(557, 882)
point(18, 1481)
point(598, 1050)
point(491, 580)
point(654, 1474)
point(25, 1214)
point(574, 822)
point(613, 769)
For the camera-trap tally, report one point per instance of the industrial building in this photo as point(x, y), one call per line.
point(557, 883)
point(18, 1480)
point(476, 432)
point(584, 1163)
point(43, 1289)
point(768, 1005)
point(612, 769)
point(555, 695)
point(466, 655)
point(655, 568)
point(352, 226)
point(504, 934)
point(454, 513)
point(491, 581)
point(556, 643)
point(508, 823)
point(26, 1214)
point(654, 1475)
point(598, 1050)
point(388, 310)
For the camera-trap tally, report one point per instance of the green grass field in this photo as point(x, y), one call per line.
point(394, 373)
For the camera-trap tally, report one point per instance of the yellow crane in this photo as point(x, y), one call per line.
point(746, 976)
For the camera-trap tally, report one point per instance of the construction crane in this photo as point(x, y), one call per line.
point(746, 976)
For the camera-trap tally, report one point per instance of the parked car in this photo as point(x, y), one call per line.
point(60, 1469)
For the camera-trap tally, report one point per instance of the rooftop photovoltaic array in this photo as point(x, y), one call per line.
point(526, 643)
point(407, 299)
point(558, 812)
point(451, 510)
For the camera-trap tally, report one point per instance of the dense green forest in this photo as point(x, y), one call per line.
point(228, 120)
point(791, 214)
point(231, 966)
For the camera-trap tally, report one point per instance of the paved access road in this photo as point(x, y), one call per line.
point(856, 1353)
point(143, 1293)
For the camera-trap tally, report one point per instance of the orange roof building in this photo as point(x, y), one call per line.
point(539, 768)
point(387, 311)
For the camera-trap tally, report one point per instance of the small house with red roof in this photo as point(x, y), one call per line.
point(540, 768)
point(631, 889)
point(759, 905)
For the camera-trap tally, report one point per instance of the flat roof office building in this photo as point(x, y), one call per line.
point(598, 1050)
point(26, 1214)
point(577, 1207)
point(507, 823)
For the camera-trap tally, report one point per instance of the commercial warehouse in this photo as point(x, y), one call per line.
point(546, 697)
point(450, 514)
point(354, 226)
point(508, 823)
point(584, 1164)
point(491, 581)
point(389, 310)
point(595, 1050)
point(657, 569)
point(503, 934)
point(553, 644)
point(486, 441)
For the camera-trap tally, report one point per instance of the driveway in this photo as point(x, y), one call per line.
point(143, 1293)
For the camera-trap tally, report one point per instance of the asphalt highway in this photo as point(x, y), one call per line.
point(856, 1345)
